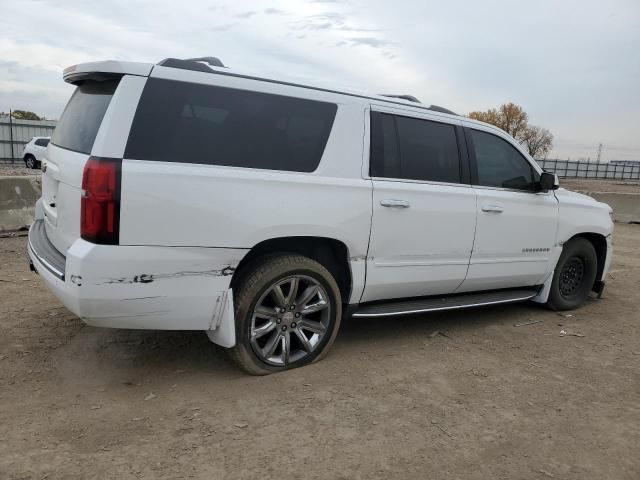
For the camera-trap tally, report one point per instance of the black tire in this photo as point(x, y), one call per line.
point(574, 275)
point(257, 281)
point(30, 162)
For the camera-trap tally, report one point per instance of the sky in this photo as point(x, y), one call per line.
point(573, 65)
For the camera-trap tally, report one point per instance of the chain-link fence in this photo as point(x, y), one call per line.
point(14, 134)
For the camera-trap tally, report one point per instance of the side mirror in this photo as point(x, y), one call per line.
point(549, 181)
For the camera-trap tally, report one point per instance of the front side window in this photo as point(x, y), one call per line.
point(499, 164)
point(194, 123)
point(413, 149)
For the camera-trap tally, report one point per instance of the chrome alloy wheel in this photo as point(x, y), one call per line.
point(290, 320)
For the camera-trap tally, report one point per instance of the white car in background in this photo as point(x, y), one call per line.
point(34, 151)
point(187, 196)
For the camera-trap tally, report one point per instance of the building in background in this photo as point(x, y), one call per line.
point(14, 134)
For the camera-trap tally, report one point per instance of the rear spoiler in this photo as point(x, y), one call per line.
point(105, 70)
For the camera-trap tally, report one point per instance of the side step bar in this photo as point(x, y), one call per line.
point(453, 302)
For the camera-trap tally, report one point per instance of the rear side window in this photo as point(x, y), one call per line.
point(81, 119)
point(499, 164)
point(42, 142)
point(413, 149)
point(192, 123)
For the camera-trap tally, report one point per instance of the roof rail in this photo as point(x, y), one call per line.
point(197, 64)
point(436, 108)
point(213, 61)
point(410, 98)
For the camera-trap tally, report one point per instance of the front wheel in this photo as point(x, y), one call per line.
point(574, 275)
point(287, 311)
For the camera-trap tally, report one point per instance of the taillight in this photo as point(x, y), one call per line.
point(100, 204)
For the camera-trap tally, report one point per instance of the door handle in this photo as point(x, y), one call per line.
point(392, 202)
point(492, 208)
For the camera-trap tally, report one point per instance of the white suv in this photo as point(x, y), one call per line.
point(34, 151)
point(188, 196)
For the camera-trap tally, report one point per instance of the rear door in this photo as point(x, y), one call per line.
point(517, 223)
point(424, 210)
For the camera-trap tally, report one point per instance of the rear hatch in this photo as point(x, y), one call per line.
point(68, 151)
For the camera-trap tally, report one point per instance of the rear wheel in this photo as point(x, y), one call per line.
point(574, 275)
point(288, 311)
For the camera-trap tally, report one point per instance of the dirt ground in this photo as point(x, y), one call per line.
point(458, 395)
point(16, 169)
point(584, 185)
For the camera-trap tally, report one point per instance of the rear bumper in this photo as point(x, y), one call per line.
point(41, 248)
point(165, 288)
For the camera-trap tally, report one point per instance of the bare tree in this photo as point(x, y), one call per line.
point(514, 120)
point(538, 141)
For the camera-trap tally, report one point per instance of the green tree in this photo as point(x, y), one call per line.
point(24, 115)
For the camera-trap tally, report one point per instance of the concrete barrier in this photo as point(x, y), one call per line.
point(18, 196)
point(626, 206)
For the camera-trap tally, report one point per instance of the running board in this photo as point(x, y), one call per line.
point(433, 304)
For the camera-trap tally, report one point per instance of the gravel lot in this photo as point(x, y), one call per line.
point(584, 185)
point(16, 169)
point(451, 395)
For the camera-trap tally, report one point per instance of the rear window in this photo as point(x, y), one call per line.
point(81, 119)
point(192, 123)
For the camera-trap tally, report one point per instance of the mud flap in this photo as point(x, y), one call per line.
point(543, 296)
point(223, 325)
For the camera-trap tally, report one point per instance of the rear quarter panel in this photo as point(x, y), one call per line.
point(196, 205)
point(175, 204)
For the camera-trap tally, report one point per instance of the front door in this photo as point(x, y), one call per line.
point(424, 210)
point(517, 223)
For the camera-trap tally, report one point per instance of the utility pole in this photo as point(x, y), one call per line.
point(599, 151)
point(11, 135)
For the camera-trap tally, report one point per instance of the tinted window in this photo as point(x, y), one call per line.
point(81, 119)
point(191, 123)
point(409, 148)
point(385, 159)
point(42, 142)
point(499, 164)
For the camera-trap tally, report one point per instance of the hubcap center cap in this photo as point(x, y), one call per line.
point(288, 318)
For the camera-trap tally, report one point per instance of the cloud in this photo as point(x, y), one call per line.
point(369, 41)
point(222, 28)
point(248, 14)
point(581, 83)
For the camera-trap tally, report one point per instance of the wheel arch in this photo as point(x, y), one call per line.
point(331, 253)
point(599, 243)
